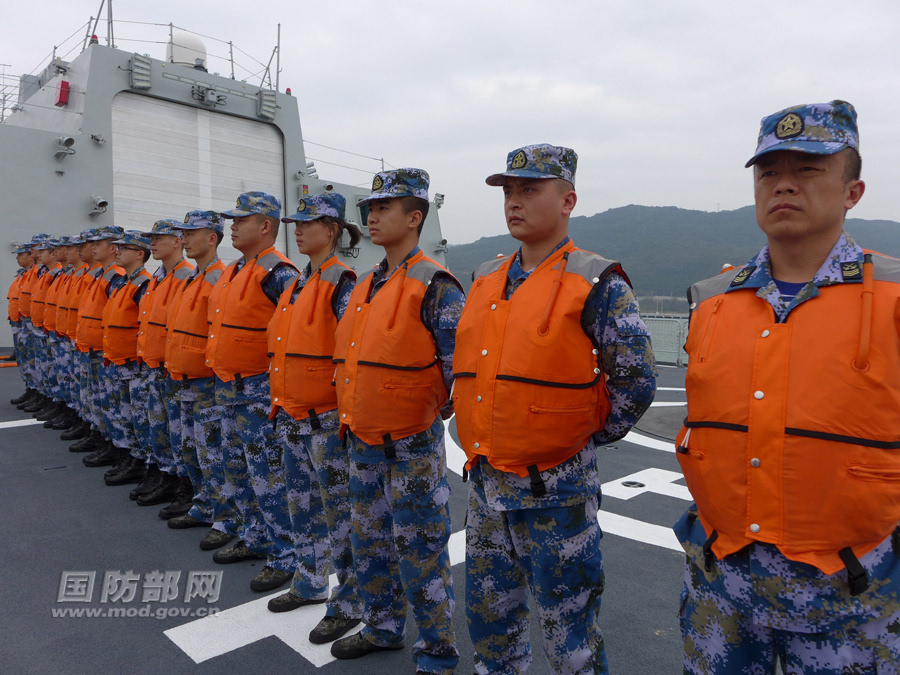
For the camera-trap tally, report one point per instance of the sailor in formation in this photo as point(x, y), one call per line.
point(790, 446)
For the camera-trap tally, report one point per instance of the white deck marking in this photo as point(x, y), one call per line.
point(667, 404)
point(644, 441)
point(658, 481)
point(19, 423)
point(638, 530)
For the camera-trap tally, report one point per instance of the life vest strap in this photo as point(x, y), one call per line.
point(390, 452)
point(708, 555)
point(856, 574)
point(314, 422)
point(538, 488)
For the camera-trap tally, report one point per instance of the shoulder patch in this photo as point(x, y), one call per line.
point(851, 271)
point(742, 276)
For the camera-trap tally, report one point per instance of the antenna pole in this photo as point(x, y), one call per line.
point(97, 18)
point(87, 34)
point(110, 37)
point(231, 57)
point(278, 61)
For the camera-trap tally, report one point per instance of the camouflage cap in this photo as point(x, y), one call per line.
point(87, 234)
point(38, 239)
point(77, 240)
point(21, 247)
point(164, 226)
point(255, 202)
point(538, 161)
point(202, 220)
point(43, 243)
point(64, 241)
point(134, 238)
point(108, 232)
point(317, 206)
point(398, 183)
point(816, 128)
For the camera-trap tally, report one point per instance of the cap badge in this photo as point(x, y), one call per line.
point(238, 204)
point(377, 184)
point(519, 160)
point(789, 126)
point(301, 206)
point(187, 218)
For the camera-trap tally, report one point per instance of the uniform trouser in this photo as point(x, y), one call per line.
point(69, 379)
point(720, 639)
point(254, 476)
point(83, 370)
point(554, 553)
point(60, 371)
point(400, 528)
point(158, 415)
point(42, 363)
point(26, 366)
point(139, 391)
point(100, 384)
point(201, 452)
point(117, 408)
point(318, 486)
point(178, 435)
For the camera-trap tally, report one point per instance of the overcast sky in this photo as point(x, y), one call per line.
point(661, 99)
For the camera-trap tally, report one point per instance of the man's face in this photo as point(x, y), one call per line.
point(163, 246)
point(104, 251)
point(129, 257)
point(247, 232)
point(799, 195)
point(72, 256)
point(24, 259)
point(46, 258)
point(536, 209)
point(197, 242)
point(86, 252)
point(59, 254)
point(388, 225)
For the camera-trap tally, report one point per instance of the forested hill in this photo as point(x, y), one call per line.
point(664, 248)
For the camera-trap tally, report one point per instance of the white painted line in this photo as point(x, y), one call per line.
point(655, 444)
point(670, 389)
point(658, 481)
point(19, 423)
point(637, 530)
point(667, 404)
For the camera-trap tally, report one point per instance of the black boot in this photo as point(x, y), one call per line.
point(37, 403)
point(28, 401)
point(79, 431)
point(164, 492)
point(107, 455)
point(51, 412)
point(62, 410)
point(182, 502)
point(28, 393)
point(133, 471)
point(66, 421)
point(90, 442)
point(149, 484)
point(121, 459)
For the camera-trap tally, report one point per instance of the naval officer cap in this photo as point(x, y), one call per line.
point(134, 238)
point(203, 220)
point(164, 226)
point(318, 206)
point(406, 182)
point(816, 128)
point(108, 232)
point(250, 203)
point(538, 161)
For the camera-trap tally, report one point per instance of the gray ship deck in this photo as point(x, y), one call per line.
point(59, 517)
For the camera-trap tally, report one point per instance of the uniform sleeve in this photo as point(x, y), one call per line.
point(341, 297)
point(277, 280)
point(612, 317)
point(441, 309)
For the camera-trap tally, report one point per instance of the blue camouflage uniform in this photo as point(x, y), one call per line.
point(514, 538)
point(400, 511)
point(317, 476)
point(756, 606)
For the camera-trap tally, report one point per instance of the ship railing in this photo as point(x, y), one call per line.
point(667, 335)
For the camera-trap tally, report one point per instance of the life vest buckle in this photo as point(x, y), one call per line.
point(538, 487)
point(390, 452)
point(857, 578)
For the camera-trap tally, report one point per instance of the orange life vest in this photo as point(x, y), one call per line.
point(89, 334)
point(51, 313)
point(151, 341)
point(239, 312)
point(793, 429)
point(76, 292)
point(388, 376)
point(15, 290)
point(301, 344)
point(188, 327)
point(39, 295)
point(62, 301)
point(120, 321)
point(29, 279)
point(529, 388)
